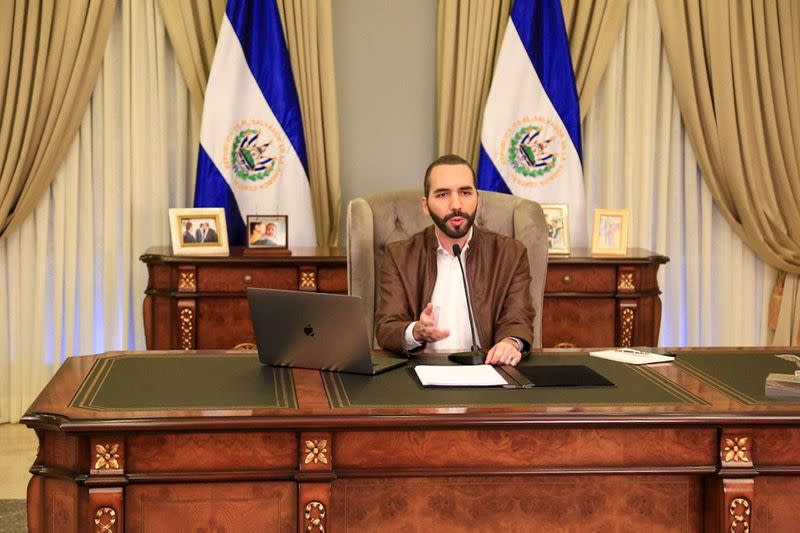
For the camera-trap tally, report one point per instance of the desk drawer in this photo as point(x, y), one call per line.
point(223, 323)
point(581, 278)
point(237, 279)
point(580, 322)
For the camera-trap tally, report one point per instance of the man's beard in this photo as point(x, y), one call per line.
point(441, 223)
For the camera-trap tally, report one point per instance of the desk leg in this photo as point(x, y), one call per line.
point(106, 509)
point(731, 496)
point(626, 313)
point(315, 473)
point(314, 503)
point(106, 475)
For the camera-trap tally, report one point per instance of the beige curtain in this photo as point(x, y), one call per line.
point(50, 53)
point(593, 27)
point(308, 26)
point(193, 28)
point(736, 67)
point(468, 39)
point(71, 282)
point(637, 155)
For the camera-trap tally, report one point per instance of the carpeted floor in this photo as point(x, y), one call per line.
point(12, 516)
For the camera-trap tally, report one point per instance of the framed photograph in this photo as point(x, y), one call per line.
point(268, 231)
point(610, 232)
point(198, 231)
point(556, 217)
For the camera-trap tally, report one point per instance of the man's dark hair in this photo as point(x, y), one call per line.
point(447, 159)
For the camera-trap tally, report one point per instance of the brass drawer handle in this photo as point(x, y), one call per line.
point(567, 279)
point(248, 279)
point(564, 345)
point(245, 346)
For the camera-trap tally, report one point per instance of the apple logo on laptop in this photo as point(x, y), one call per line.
point(308, 330)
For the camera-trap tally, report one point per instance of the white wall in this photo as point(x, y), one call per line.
point(385, 53)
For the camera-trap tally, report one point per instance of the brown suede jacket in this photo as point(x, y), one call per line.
point(498, 275)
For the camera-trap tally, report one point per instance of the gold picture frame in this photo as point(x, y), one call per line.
point(556, 218)
point(198, 231)
point(610, 232)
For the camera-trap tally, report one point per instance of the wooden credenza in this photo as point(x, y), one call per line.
point(200, 303)
point(591, 301)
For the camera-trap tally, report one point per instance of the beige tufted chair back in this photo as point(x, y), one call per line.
point(375, 221)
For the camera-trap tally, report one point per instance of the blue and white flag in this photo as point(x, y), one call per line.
point(252, 157)
point(531, 138)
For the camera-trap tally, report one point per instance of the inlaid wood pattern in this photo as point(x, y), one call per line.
point(523, 503)
point(777, 446)
point(542, 448)
point(778, 502)
point(579, 321)
point(60, 506)
point(199, 452)
point(213, 507)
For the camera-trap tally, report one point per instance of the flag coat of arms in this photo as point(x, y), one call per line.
point(531, 139)
point(252, 157)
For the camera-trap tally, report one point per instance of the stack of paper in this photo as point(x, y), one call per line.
point(632, 357)
point(459, 376)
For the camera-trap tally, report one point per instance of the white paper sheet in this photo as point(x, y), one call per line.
point(459, 376)
point(632, 357)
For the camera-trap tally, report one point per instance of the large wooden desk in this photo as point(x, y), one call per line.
point(200, 303)
point(318, 461)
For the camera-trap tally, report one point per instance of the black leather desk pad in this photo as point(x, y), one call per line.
point(178, 382)
point(564, 376)
point(634, 385)
point(740, 375)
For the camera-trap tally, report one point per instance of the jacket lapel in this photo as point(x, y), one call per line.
point(431, 270)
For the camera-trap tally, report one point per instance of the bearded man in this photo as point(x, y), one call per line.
point(422, 301)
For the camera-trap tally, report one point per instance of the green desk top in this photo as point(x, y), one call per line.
point(740, 375)
point(635, 385)
point(174, 382)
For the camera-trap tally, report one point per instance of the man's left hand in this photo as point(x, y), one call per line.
point(504, 352)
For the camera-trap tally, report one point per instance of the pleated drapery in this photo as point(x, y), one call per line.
point(72, 282)
point(736, 68)
point(50, 53)
point(469, 34)
point(193, 27)
point(593, 27)
point(308, 26)
point(637, 154)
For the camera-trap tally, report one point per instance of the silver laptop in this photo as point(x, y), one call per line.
point(314, 330)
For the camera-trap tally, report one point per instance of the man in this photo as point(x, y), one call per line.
point(206, 234)
point(263, 235)
point(422, 302)
point(187, 233)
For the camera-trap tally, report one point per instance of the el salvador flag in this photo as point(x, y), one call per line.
point(252, 157)
point(531, 139)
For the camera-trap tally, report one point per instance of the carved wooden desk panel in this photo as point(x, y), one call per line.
point(712, 465)
point(200, 303)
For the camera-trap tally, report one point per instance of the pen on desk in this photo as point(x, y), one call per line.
point(631, 351)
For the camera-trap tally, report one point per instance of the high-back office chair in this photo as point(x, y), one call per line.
point(377, 220)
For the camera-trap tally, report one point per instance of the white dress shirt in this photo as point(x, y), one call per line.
point(449, 303)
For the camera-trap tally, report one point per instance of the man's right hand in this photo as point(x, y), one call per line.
point(425, 329)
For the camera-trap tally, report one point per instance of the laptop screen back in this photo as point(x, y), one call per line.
point(310, 330)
